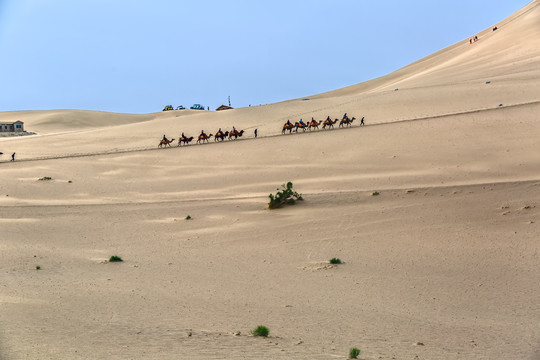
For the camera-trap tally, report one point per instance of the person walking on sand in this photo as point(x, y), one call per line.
point(255, 132)
point(362, 121)
point(13, 157)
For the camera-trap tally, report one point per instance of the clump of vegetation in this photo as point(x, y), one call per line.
point(353, 353)
point(115, 258)
point(45, 178)
point(188, 217)
point(335, 261)
point(38, 267)
point(260, 331)
point(286, 196)
point(375, 193)
point(69, 181)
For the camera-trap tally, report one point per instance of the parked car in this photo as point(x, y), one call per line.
point(197, 107)
point(180, 107)
point(168, 107)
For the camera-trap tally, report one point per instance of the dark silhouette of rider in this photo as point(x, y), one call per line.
point(288, 122)
point(203, 134)
point(183, 135)
point(165, 138)
point(301, 122)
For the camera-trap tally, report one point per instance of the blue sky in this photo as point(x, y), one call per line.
point(137, 56)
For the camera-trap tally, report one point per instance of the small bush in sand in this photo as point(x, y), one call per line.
point(285, 196)
point(45, 178)
point(38, 267)
point(335, 261)
point(375, 193)
point(353, 353)
point(115, 258)
point(260, 331)
point(188, 217)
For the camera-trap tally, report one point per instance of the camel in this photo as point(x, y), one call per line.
point(236, 134)
point(220, 135)
point(185, 140)
point(203, 138)
point(165, 142)
point(347, 122)
point(329, 123)
point(302, 126)
point(314, 124)
point(288, 126)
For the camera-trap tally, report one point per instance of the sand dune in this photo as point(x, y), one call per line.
point(441, 264)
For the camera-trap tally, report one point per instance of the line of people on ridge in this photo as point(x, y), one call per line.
point(344, 118)
point(301, 122)
point(204, 135)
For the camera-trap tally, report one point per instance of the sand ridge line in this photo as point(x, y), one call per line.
point(463, 112)
point(405, 190)
point(139, 149)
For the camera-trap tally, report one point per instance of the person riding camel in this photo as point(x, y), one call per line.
point(345, 117)
point(219, 133)
point(328, 118)
point(183, 136)
point(203, 134)
point(165, 138)
point(288, 122)
point(301, 122)
point(234, 130)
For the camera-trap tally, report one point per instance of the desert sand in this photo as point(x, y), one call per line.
point(442, 264)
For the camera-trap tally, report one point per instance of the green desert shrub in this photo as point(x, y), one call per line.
point(45, 178)
point(335, 261)
point(353, 353)
point(260, 331)
point(286, 196)
point(375, 193)
point(115, 258)
point(38, 267)
point(188, 217)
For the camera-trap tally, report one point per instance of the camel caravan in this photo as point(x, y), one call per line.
point(288, 126)
point(314, 124)
point(203, 137)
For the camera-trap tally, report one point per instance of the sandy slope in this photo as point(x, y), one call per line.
point(447, 255)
